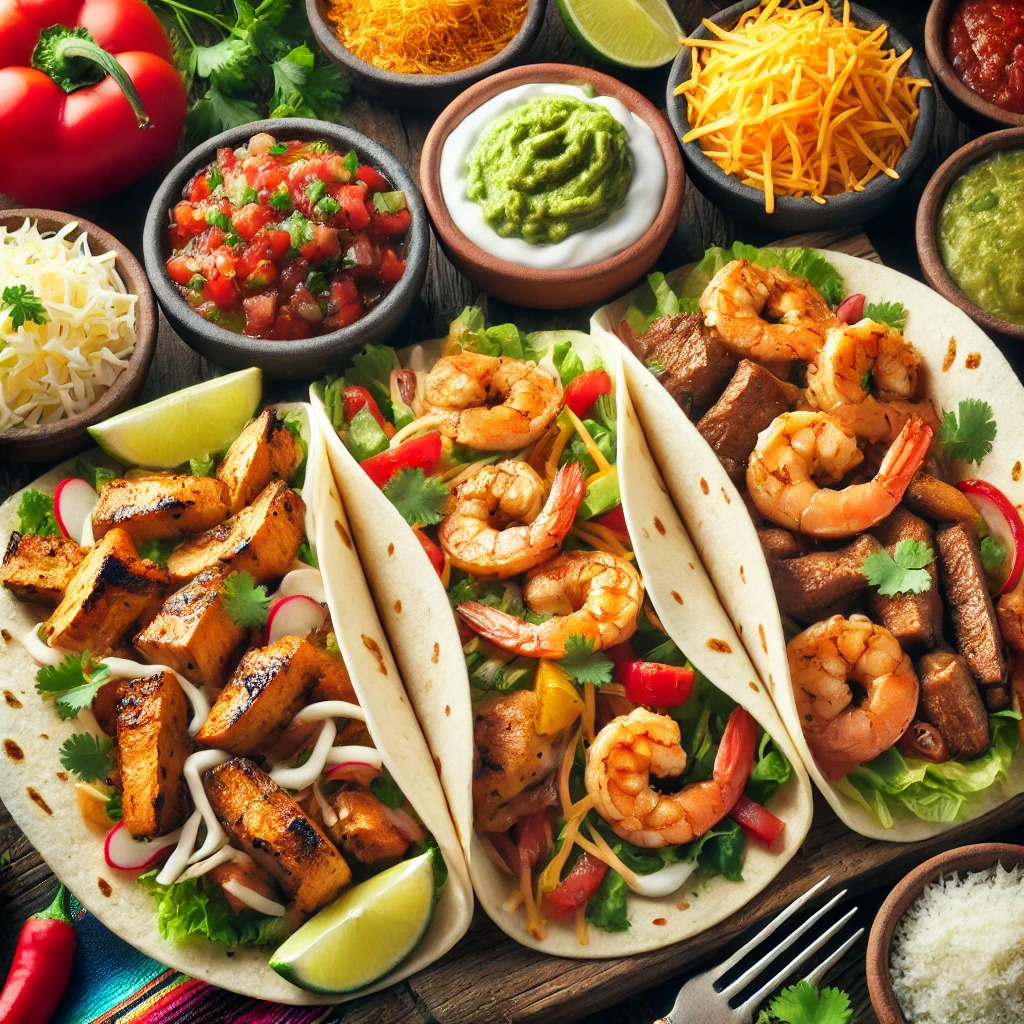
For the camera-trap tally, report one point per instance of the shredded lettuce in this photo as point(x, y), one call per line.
point(606, 909)
point(771, 770)
point(293, 420)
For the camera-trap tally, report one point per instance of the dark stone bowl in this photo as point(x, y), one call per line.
point(421, 92)
point(305, 357)
point(792, 214)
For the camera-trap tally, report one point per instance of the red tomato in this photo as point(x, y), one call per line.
point(391, 268)
point(263, 273)
point(533, 837)
point(182, 269)
point(269, 244)
point(434, 553)
point(578, 886)
point(419, 453)
point(658, 686)
point(390, 225)
point(221, 289)
point(199, 190)
point(356, 398)
point(343, 290)
point(375, 181)
point(583, 391)
point(248, 219)
point(352, 200)
point(757, 820)
point(613, 519)
point(189, 219)
point(259, 312)
point(323, 245)
point(348, 314)
point(293, 273)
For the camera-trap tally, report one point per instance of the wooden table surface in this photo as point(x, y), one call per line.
point(642, 993)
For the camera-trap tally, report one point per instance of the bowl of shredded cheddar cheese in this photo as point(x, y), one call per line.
point(77, 331)
point(423, 53)
point(795, 118)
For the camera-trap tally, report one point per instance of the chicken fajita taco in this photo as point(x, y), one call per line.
point(618, 778)
point(206, 737)
point(840, 443)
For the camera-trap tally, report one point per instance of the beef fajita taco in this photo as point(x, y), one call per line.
point(618, 777)
point(206, 739)
point(841, 444)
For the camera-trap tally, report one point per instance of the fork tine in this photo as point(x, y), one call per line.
point(765, 932)
point(744, 979)
point(786, 971)
point(825, 966)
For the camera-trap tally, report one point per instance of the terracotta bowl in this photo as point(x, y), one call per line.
point(964, 859)
point(423, 92)
point(58, 440)
point(551, 289)
point(795, 214)
point(966, 103)
point(927, 230)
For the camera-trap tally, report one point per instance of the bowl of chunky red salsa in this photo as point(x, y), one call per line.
point(277, 243)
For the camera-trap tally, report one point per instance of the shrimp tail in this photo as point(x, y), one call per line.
point(506, 631)
point(904, 457)
point(735, 759)
point(564, 501)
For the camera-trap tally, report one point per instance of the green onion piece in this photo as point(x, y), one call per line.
point(278, 149)
point(327, 207)
point(281, 200)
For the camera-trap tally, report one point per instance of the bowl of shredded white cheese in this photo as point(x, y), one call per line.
point(947, 946)
point(77, 331)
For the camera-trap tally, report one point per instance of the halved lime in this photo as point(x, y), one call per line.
point(629, 33)
point(364, 934)
point(187, 424)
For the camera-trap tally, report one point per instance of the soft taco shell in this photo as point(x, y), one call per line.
point(960, 362)
point(421, 626)
point(74, 852)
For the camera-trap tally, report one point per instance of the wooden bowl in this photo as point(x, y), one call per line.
point(422, 92)
point(552, 289)
point(964, 859)
point(966, 103)
point(927, 228)
point(795, 214)
point(59, 440)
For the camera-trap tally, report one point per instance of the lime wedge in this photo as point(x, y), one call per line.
point(188, 424)
point(629, 33)
point(364, 934)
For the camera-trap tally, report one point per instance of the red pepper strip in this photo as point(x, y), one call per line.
point(357, 397)
point(613, 519)
point(419, 453)
point(578, 886)
point(78, 80)
point(658, 686)
point(533, 837)
point(583, 391)
point(984, 490)
point(757, 820)
point(851, 309)
point(434, 553)
point(621, 652)
point(41, 966)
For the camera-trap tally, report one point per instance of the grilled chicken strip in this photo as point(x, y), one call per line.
point(261, 540)
point(514, 767)
point(950, 701)
point(152, 744)
point(271, 827)
point(161, 506)
point(193, 634)
point(111, 590)
point(366, 829)
point(39, 568)
point(1010, 610)
point(264, 451)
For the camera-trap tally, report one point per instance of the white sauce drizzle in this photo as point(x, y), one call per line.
point(252, 899)
point(38, 649)
point(195, 765)
point(663, 882)
point(327, 812)
point(306, 774)
point(124, 668)
point(357, 754)
point(324, 709)
point(175, 864)
point(222, 856)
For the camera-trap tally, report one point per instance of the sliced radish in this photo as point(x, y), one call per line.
point(851, 309)
point(124, 853)
point(353, 771)
point(1004, 522)
point(405, 825)
point(305, 582)
point(73, 502)
point(297, 615)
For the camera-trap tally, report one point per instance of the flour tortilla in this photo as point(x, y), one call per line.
point(721, 527)
point(74, 852)
point(419, 621)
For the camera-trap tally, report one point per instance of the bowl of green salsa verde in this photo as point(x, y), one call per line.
point(970, 231)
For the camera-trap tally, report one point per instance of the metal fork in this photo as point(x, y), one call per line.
point(700, 1002)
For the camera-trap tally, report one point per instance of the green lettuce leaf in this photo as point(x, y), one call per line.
point(606, 909)
point(771, 770)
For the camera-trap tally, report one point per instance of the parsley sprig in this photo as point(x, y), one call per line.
point(585, 664)
point(802, 1003)
point(245, 601)
point(88, 756)
point(993, 554)
point(968, 433)
point(420, 499)
point(23, 306)
point(903, 572)
point(892, 313)
point(73, 684)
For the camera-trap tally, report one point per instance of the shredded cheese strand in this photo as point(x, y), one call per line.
point(595, 453)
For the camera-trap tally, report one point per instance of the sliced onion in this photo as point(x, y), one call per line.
point(408, 828)
point(1004, 521)
point(73, 502)
point(124, 853)
point(663, 882)
point(297, 615)
point(252, 899)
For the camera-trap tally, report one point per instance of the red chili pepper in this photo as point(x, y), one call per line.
point(757, 820)
point(357, 397)
point(79, 79)
point(982, 491)
point(419, 453)
point(434, 553)
point(578, 886)
point(583, 391)
point(41, 966)
point(658, 686)
point(613, 519)
point(851, 309)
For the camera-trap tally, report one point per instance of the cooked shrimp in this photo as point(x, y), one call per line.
point(765, 313)
point(477, 536)
point(866, 376)
point(492, 403)
point(591, 594)
point(629, 749)
point(823, 661)
point(800, 451)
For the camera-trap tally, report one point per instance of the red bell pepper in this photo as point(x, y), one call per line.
point(79, 80)
point(987, 497)
point(434, 553)
point(578, 886)
point(613, 519)
point(357, 397)
point(757, 820)
point(419, 453)
point(583, 391)
point(658, 686)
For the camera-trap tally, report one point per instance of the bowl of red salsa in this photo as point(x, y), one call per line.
point(285, 244)
point(976, 49)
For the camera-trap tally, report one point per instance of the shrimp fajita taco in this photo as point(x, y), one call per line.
point(841, 444)
point(207, 738)
point(617, 775)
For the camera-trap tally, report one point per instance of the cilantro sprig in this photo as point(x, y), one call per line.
point(420, 499)
point(36, 516)
point(87, 756)
point(903, 572)
point(245, 601)
point(968, 433)
point(802, 1003)
point(993, 554)
point(73, 684)
point(892, 313)
point(23, 306)
point(585, 664)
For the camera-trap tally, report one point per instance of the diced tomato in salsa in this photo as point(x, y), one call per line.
point(286, 239)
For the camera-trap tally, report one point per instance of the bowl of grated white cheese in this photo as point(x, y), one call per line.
point(77, 331)
point(947, 946)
